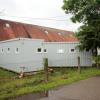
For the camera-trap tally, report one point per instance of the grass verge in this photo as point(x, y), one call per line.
point(10, 87)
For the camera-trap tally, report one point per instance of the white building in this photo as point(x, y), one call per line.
point(23, 47)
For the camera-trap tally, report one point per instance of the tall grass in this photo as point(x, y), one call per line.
point(35, 83)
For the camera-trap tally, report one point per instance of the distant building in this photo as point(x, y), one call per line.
point(23, 47)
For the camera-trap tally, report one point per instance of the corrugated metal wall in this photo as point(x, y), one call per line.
point(27, 58)
point(67, 58)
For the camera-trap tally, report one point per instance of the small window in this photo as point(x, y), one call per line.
point(17, 50)
point(8, 50)
point(7, 25)
point(60, 51)
point(39, 50)
point(2, 50)
point(72, 50)
point(45, 50)
point(71, 35)
point(59, 33)
point(46, 32)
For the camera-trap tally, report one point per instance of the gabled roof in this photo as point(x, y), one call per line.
point(11, 29)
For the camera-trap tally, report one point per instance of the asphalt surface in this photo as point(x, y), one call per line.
point(88, 89)
point(84, 90)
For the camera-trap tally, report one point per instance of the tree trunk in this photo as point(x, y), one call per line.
point(95, 54)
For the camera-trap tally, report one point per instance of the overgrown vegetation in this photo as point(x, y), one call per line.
point(86, 12)
point(11, 87)
point(96, 60)
point(6, 74)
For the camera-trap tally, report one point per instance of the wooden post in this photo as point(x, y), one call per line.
point(79, 67)
point(46, 69)
point(46, 93)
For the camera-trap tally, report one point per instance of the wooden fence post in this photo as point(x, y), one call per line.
point(79, 67)
point(46, 93)
point(46, 69)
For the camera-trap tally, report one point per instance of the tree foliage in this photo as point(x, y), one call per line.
point(89, 37)
point(82, 10)
point(88, 13)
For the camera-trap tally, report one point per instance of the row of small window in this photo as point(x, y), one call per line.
point(8, 50)
point(8, 25)
point(62, 51)
point(39, 50)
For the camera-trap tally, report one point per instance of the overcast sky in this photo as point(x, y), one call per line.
point(40, 12)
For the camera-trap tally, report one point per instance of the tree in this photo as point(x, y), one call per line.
point(89, 37)
point(88, 13)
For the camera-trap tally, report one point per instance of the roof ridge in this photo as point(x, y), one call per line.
point(13, 21)
point(20, 29)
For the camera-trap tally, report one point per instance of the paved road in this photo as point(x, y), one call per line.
point(84, 90)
